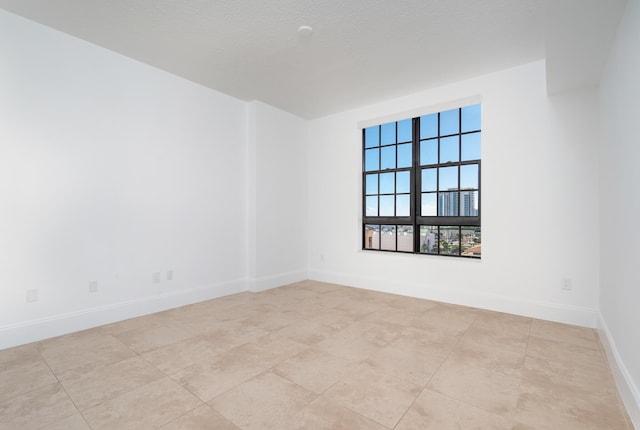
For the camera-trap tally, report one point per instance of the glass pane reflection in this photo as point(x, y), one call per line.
point(372, 159)
point(372, 184)
point(448, 178)
point(449, 149)
point(404, 155)
point(429, 152)
point(471, 242)
point(402, 182)
point(388, 237)
point(449, 240)
point(405, 238)
point(387, 205)
point(449, 122)
point(471, 147)
point(404, 130)
point(388, 134)
point(469, 176)
point(402, 205)
point(429, 126)
point(371, 204)
point(387, 183)
point(372, 137)
point(429, 205)
point(468, 203)
point(429, 179)
point(372, 236)
point(429, 239)
point(388, 157)
point(471, 118)
point(448, 204)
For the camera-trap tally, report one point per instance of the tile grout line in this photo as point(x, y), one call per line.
point(450, 352)
point(434, 372)
point(65, 392)
point(464, 401)
point(524, 360)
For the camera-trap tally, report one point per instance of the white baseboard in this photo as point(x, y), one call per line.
point(268, 282)
point(626, 387)
point(575, 315)
point(32, 331)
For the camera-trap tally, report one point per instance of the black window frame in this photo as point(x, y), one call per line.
point(416, 220)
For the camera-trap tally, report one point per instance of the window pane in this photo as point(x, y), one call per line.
point(429, 179)
point(388, 157)
point(402, 205)
point(372, 159)
point(429, 126)
point(471, 242)
point(429, 207)
point(448, 178)
point(448, 204)
point(449, 240)
point(402, 182)
point(388, 237)
point(449, 148)
point(372, 184)
point(371, 206)
point(468, 203)
point(405, 238)
point(429, 152)
point(429, 239)
point(387, 205)
point(404, 155)
point(372, 136)
point(449, 122)
point(469, 176)
point(388, 133)
point(471, 118)
point(404, 130)
point(387, 185)
point(372, 237)
point(471, 147)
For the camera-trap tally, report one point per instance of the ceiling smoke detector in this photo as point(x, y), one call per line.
point(305, 30)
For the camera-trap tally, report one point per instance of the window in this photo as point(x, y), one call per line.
point(421, 184)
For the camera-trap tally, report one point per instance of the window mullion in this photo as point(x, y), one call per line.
point(416, 200)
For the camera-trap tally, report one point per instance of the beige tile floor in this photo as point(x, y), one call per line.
point(314, 356)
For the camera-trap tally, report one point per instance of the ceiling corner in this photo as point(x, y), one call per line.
point(578, 38)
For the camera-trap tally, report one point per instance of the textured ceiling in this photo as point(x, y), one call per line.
point(361, 51)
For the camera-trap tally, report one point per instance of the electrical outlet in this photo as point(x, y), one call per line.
point(566, 284)
point(155, 277)
point(169, 275)
point(32, 296)
point(93, 286)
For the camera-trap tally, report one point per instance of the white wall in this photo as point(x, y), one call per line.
point(620, 208)
point(277, 197)
point(111, 170)
point(539, 219)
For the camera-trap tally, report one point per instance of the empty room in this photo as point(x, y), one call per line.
point(296, 214)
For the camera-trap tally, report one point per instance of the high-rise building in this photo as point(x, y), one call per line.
point(468, 203)
point(449, 205)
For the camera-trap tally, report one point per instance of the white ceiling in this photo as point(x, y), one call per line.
point(360, 52)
